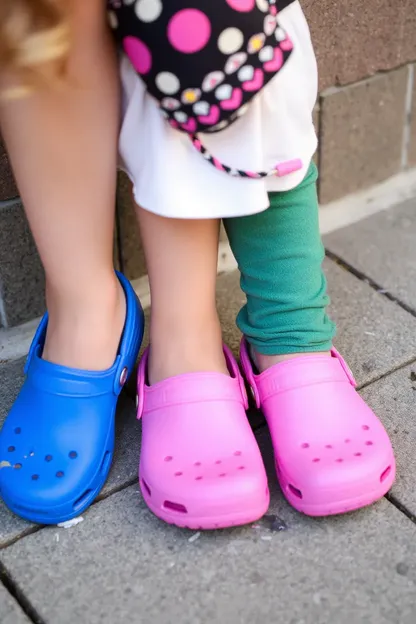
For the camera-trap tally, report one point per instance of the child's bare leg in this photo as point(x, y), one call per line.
point(185, 332)
point(62, 144)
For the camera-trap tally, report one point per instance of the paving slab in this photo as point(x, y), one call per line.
point(383, 248)
point(394, 400)
point(10, 611)
point(351, 117)
point(11, 377)
point(122, 564)
point(374, 334)
point(126, 457)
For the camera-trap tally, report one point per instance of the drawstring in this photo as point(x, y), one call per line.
point(279, 170)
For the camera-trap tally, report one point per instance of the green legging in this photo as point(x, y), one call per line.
point(280, 253)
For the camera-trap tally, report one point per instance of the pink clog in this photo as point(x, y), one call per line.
point(200, 466)
point(332, 453)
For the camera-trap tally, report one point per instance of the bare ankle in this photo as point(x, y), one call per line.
point(192, 347)
point(84, 331)
point(263, 362)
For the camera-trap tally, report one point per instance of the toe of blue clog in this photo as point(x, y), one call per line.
point(56, 461)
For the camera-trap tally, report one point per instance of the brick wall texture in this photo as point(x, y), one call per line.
point(365, 117)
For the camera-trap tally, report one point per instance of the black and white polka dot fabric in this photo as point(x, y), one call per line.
point(203, 61)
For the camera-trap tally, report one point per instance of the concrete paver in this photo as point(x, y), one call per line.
point(383, 248)
point(10, 611)
point(122, 564)
point(394, 400)
point(11, 378)
point(375, 335)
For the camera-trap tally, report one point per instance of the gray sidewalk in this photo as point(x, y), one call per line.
point(121, 564)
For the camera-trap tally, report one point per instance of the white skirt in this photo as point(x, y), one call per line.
point(172, 179)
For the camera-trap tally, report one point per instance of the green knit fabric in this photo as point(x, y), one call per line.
point(280, 253)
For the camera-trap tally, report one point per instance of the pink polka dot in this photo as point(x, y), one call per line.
point(287, 45)
point(242, 5)
point(139, 54)
point(189, 31)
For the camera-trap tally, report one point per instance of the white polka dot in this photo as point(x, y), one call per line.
point(280, 34)
point(190, 96)
point(181, 116)
point(201, 108)
point(256, 42)
point(266, 54)
point(235, 62)
point(269, 25)
point(263, 5)
point(220, 126)
point(167, 83)
point(170, 103)
point(246, 73)
point(112, 19)
point(224, 92)
point(230, 40)
point(148, 10)
point(212, 80)
point(242, 111)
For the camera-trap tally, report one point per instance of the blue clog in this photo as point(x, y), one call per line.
point(56, 445)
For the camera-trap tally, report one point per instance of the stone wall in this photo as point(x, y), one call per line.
point(365, 52)
point(365, 116)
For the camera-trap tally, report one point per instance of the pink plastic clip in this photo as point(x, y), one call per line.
point(290, 166)
point(344, 366)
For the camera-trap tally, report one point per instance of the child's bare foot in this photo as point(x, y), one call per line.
point(187, 347)
point(84, 331)
point(263, 362)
